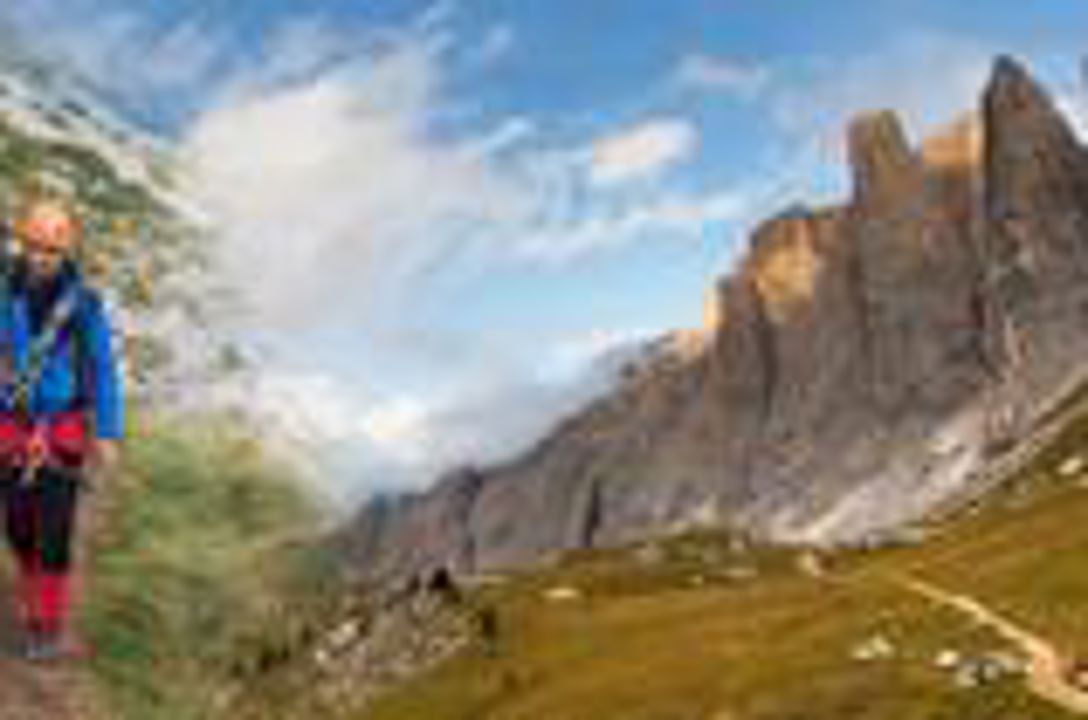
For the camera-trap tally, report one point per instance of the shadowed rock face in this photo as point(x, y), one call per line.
point(859, 357)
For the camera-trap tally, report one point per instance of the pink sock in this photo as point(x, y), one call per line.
point(53, 600)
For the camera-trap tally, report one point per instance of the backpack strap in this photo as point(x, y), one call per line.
point(59, 315)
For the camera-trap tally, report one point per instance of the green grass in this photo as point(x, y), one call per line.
point(681, 641)
point(777, 646)
point(188, 578)
point(190, 603)
point(1024, 551)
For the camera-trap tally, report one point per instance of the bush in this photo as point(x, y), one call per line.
point(197, 555)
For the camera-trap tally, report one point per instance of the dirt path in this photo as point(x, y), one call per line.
point(1045, 676)
point(33, 692)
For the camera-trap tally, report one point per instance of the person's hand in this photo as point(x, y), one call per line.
point(105, 454)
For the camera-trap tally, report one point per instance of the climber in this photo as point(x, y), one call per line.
point(58, 387)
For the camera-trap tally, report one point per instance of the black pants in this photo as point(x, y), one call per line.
point(40, 517)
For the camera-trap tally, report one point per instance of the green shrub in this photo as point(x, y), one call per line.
point(196, 558)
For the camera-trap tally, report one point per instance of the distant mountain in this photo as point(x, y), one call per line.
point(869, 362)
point(49, 103)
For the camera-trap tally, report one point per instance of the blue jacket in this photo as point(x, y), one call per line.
point(85, 340)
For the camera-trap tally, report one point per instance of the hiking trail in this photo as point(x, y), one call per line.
point(37, 692)
point(1045, 670)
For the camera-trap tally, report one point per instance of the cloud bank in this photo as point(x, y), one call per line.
point(342, 204)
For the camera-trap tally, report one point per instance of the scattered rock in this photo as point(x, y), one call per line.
point(966, 677)
point(812, 564)
point(343, 635)
point(989, 670)
point(1071, 466)
point(986, 669)
point(741, 572)
point(893, 537)
point(911, 535)
point(710, 556)
point(562, 593)
point(1008, 663)
point(947, 659)
point(877, 647)
point(649, 554)
point(358, 659)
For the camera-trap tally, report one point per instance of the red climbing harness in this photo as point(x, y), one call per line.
point(57, 440)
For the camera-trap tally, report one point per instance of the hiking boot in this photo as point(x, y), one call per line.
point(39, 646)
point(49, 646)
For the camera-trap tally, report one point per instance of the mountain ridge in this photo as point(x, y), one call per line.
point(866, 360)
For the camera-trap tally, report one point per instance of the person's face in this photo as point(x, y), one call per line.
point(47, 240)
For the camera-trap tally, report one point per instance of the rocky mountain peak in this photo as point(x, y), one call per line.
point(883, 164)
point(863, 359)
point(1034, 163)
point(1013, 94)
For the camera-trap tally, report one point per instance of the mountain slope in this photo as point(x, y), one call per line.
point(701, 626)
point(870, 360)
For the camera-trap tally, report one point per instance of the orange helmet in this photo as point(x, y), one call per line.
point(47, 224)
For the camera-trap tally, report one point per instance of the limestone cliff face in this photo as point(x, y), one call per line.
point(850, 373)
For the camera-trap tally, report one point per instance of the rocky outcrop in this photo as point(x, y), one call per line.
point(859, 365)
point(885, 170)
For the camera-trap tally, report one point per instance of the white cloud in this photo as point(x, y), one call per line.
point(700, 71)
point(339, 192)
point(672, 216)
point(183, 58)
point(122, 51)
point(605, 347)
point(332, 187)
point(643, 151)
point(495, 45)
point(509, 134)
point(294, 52)
point(397, 439)
point(436, 18)
point(341, 207)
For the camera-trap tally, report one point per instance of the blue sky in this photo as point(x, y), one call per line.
point(440, 211)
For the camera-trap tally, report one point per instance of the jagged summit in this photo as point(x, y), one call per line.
point(1034, 162)
point(883, 164)
point(1011, 87)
